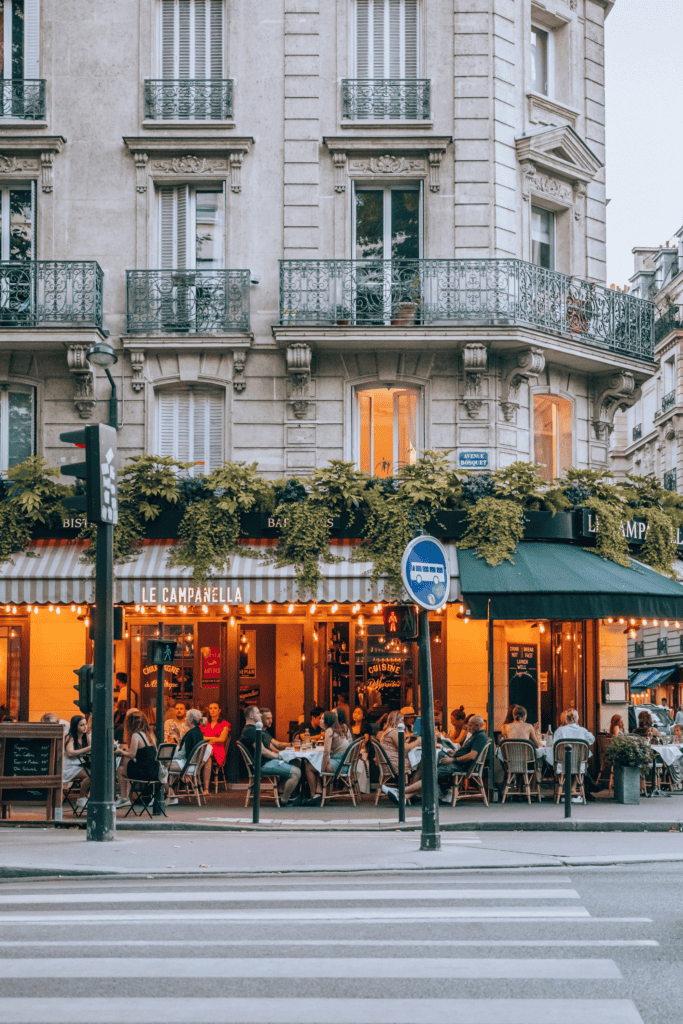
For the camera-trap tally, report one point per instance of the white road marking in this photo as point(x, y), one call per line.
point(95, 968)
point(323, 1011)
point(93, 943)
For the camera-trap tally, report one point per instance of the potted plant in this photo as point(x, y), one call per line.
point(628, 755)
point(408, 304)
point(342, 316)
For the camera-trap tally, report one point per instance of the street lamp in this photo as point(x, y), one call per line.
point(104, 356)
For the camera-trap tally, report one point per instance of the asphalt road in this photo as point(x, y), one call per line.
point(583, 945)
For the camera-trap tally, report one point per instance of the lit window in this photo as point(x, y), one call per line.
point(542, 238)
point(552, 435)
point(189, 426)
point(388, 429)
point(539, 60)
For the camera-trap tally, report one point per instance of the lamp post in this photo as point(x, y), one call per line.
point(104, 356)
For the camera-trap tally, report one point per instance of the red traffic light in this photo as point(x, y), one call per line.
point(400, 620)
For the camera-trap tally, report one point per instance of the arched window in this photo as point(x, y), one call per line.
point(388, 431)
point(552, 434)
point(190, 426)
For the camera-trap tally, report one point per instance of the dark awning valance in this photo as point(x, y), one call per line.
point(561, 581)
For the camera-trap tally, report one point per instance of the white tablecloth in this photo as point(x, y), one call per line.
point(669, 752)
point(415, 755)
point(315, 756)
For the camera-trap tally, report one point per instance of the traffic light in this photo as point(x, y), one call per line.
point(85, 688)
point(98, 471)
point(162, 652)
point(400, 620)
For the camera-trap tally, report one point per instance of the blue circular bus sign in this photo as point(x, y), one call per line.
point(425, 572)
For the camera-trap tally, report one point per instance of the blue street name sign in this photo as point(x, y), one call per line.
point(473, 460)
point(425, 572)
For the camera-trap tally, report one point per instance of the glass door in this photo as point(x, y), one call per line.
point(387, 248)
point(17, 236)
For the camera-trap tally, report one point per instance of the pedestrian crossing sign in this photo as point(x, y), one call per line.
point(162, 652)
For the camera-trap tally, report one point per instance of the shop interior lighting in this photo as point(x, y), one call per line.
point(610, 621)
point(29, 609)
point(73, 608)
point(645, 622)
point(270, 608)
point(35, 610)
point(677, 625)
point(315, 636)
point(360, 620)
point(633, 622)
point(666, 622)
point(87, 623)
point(7, 608)
point(621, 622)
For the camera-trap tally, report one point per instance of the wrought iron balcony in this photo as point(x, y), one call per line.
point(638, 432)
point(669, 481)
point(457, 292)
point(668, 401)
point(187, 301)
point(671, 321)
point(22, 98)
point(50, 293)
point(188, 99)
point(386, 99)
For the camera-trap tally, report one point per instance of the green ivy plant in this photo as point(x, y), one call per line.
point(304, 541)
point(659, 548)
point(495, 526)
point(31, 496)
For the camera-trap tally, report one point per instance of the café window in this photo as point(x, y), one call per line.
point(552, 435)
point(543, 238)
point(388, 428)
point(190, 426)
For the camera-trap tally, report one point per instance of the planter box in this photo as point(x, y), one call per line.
point(627, 785)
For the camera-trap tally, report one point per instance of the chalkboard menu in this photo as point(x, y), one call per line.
point(523, 678)
point(31, 765)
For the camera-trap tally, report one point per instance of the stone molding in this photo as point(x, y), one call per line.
point(84, 380)
point(550, 113)
point(474, 360)
point(527, 365)
point(558, 165)
point(137, 360)
point(176, 159)
point(298, 360)
point(618, 391)
point(20, 154)
point(387, 158)
point(239, 364)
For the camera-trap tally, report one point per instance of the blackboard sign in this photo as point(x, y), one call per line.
point(523, 678)
point(31, 766)
point(28, 757)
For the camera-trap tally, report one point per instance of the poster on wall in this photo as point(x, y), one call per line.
point(211, 666)
point(523, 678)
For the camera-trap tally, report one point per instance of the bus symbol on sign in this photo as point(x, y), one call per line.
point(425, 572)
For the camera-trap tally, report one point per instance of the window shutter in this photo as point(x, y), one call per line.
point(215, 66)
point(168, 39)
point(216, 407)
point(386, 38)
point(166, 434)
point(410, 31)
point(191, 39)
point(185, 40)
point(31, 38)
point(200, 413)
point(190, 426)
point(378, 34)
point(363, 32)
point(200, 42)
point(183, 426)
point(175, 229)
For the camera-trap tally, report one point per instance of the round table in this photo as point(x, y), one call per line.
point(669, 752)
point(314, 755)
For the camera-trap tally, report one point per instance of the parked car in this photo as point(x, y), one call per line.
point(661, 718)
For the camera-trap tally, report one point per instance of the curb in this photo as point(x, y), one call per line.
point(562, 825)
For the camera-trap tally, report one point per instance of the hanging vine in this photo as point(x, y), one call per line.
point(610, 539)
point(659, 549)
point(495, 526)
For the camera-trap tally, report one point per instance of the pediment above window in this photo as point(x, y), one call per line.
point(182, 159)
point(387, 159)
point(558, 152)
point(30, 156)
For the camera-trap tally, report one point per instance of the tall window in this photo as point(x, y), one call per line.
point(541, 44)
point(191, 39)
point(19, 21)
point(388, 428)
point(388, 223)
point(386, 38)
point(552, 435)
point(17, 220)
point(542, 238)
point(190, 426)
point(191, 224)
point(17, 425)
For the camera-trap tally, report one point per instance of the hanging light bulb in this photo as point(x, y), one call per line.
point(312, 609)
point(334, 608)
point(655, 622)
point(677, 625)
point(290, 609)
point(270, 608)
point(205, 609)
point(59, 611)
point(50, 609)
point(247, 608)
point(78, 610)
point(232, 621)
point(29, 609)
point(666, 622)
point(87, 622)
point(73, 608)
point(315, 636)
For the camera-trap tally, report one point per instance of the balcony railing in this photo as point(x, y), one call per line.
point(455, 292)
point(672, 319)
point(187, 301)
point(50, 293)
point(637, 432)
point(386, 99)
point(668, 401)
point(188, 99)
point(669, 480)
point(22, 98)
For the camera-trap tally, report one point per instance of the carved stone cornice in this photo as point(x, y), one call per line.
point(32, 154)
point(618, 391)
point(544, 111)
point(169, 159)
point(382, 158)
point(298, 359)
point(527, 365)
point(84, 381)
point(558, 151)
point(474, 361)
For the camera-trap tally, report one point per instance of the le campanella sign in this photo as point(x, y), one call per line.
point(634, 530)
point(190, 595)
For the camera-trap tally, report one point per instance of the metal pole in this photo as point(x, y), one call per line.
point(160, 799)
point(101, 810)
point(431, 835)
point(257, 773)
point(568, 781)
point(490, 702)
point(401, 772)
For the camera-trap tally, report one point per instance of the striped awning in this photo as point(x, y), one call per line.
point(55, 574)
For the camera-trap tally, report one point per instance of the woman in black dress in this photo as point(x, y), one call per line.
point(139, 761)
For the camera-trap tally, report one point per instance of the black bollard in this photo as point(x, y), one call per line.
point(401, 772)
point(257, 773)
point(568, 782)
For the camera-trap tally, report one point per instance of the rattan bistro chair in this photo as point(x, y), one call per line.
point(475, 775)
point(519, 758)
point(387, 775)
point(344, 781)
point(580, 754)
point(270, 780)
point(190, 776)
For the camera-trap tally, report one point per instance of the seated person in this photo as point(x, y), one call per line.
point(616, 726)
point(314, 724)
point(646, 727)
point(77, 746)
point(336, 742)
point(458, 730)
point(139, 761)
point(268, 738)
point(461, 760)
point(270, 763)
point(572, 730)
point(389, 740)
point(409, 719)
point(120, 720)
point(520, 729)
point(175, 727)
point(192, 737)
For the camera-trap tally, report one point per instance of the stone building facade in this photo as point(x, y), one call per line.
point(312, 229)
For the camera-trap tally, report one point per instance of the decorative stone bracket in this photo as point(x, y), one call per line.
point(177, 159)
point(527, 366)
point(84, 398)
point(298, 358)
point(239, 362)
point(474, 360)
point(616, 392)
point(394, 158)
point(137, 360)
point(20, 154)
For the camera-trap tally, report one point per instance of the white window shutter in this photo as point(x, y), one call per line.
point(378, 38)
point(363, 38)
point(190, 426)
point(185, 39)
point(169, 42)
point(410, 36)
point(31, 38)
point(200, 415)
point(200, 40)
point(192, 39)
point(387, 38)
point(175, 227)
point(166, 434)
point(216, 407)
point(184, 426)
point(215, 64)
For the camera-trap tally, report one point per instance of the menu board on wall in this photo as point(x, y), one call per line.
point(523, 678)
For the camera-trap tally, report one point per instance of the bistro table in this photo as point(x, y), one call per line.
point(669, 752)
point(314, 756)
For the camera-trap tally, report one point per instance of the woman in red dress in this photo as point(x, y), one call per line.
point(217, 729)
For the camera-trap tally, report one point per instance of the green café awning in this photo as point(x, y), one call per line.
point(561, 581)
